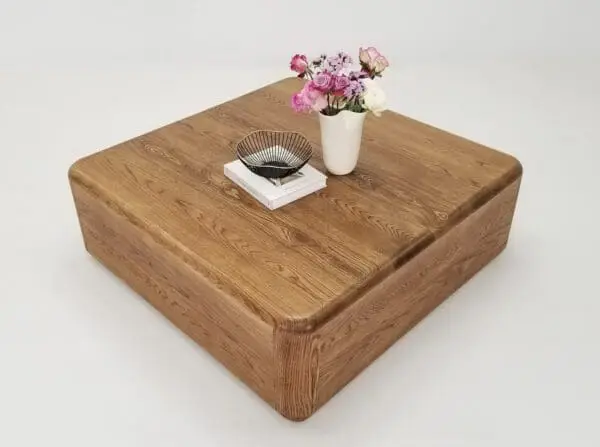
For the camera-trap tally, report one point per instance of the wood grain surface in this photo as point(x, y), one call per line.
point(299, 300)
point(316, 365)
point(294, 267)
point(226, 329)
point(351, 340)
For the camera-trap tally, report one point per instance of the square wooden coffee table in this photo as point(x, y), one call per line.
point(297, 301)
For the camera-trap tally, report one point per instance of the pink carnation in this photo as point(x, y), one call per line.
point(309, 98)
point(314, 96)
point(299, 103)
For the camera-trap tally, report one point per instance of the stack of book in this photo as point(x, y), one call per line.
point(274, 194)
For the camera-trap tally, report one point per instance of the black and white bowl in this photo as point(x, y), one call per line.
point(274, 154)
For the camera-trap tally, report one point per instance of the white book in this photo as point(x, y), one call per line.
point(274, 196)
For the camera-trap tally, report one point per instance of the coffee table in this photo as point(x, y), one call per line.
point(295, 302)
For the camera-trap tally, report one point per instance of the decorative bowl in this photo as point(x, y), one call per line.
point(274, 154)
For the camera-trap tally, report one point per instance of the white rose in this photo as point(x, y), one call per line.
point(374, 97)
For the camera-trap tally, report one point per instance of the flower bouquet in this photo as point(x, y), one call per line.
point(342, 94)
point(333, 85)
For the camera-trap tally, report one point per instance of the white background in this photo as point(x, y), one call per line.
point(512, 358)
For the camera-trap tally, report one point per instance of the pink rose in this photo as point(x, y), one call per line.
point(369, 54)
point(299, 64)
point(372, 60)
point(340, 83)
point(380, 64)
point(323, 82)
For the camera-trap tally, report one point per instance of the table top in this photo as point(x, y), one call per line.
point(298, 265)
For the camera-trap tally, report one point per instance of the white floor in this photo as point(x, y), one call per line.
point(513, 356)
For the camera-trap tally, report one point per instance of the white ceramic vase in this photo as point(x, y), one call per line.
point(341, 136)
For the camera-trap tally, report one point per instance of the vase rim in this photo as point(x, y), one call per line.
point(341, 111)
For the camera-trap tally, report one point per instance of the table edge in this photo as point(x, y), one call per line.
point(310, 322)
point(314, 319)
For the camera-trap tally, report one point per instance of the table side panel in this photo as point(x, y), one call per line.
point(353, 339)
point(226, 329)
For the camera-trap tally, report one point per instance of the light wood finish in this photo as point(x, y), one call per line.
point(295, 301)
point(351, 340)
point(227, 329)
point(296, 357)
